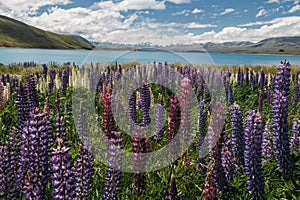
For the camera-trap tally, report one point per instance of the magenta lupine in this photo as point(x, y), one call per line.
point(280, 119)
point(295, 137)
point(62, 177)
point(139, 145)
point(253, 156)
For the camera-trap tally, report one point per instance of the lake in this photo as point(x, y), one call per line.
point(41, 56)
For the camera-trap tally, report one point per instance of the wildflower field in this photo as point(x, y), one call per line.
point(49, 147)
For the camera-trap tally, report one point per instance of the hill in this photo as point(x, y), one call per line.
point(14, 33)
point(278, 45)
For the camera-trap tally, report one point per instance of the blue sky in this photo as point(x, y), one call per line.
point(161, 22)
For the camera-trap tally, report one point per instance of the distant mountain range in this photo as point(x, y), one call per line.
point(279, 45)
point(14, 33)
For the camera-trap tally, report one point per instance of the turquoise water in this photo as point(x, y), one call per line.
point(41, 56)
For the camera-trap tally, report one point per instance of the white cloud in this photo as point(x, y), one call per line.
point(196, 11)
point(179, 1)
point(273, 1)
point(261, 12)
point(273, 28)
point(183, 12)
point(17, 7)
point(226, 11)
point(197, 25)
point(126, 5)
point(255, 23)
point(294, 8)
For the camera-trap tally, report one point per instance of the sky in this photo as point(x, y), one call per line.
point(160, 22)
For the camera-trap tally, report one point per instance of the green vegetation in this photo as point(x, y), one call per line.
point(14, 33)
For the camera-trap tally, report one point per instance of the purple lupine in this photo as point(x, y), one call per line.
point(219, 174)
point(269, 96)
point(253, 156)
point(247, 76)
point(82, 127)
point(145, 102)
point(14, 153)
point(83, 173)
point(295, 137)
point(280, 119)
point(296, 95)
point(45, 71)
point(267, 143)
point(173, 194)
point(227, 158)
point(5, 172)
point(132, 105)
point(230, 96)
point(37, 140)
point(239, 77)
point(60, 129)
point(51, 84)
point(22, 106)
point(113, 173)
point(237, 137)
point(65, 80)
point(32, 93)
point(262, 80)
point(159, 120)
point(62, 177)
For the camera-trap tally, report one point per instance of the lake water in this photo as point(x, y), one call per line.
point(41, 56)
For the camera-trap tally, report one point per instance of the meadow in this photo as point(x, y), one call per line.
point(248, 115)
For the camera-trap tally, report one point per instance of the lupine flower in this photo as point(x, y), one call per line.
point(247, 76)
point(210, 191)
point(173, 194)
point(139, 145)
point(279, 119)
point(14, 154)
point(65, 81)
point(113, 173)
point(132, 105)
point(2, 99)
point(108, 119)
point(267, 142)
point(34, 157)
point(145, 102)
point(159, 120)
point(83, 173)
point(227, 158)
point(202, 129)
point(45, 71)
point(230, 96)
point(173, 120)
point(295, 136)
point(296, 95)
point(62, 177)
point(5, 172)
point(237, 138)
point(60, 129)
point(262, 80)
point(253, 156)
point(269, 96)
point(219, 174)
point(51, 84)
point(239, 77)
point(32, 93)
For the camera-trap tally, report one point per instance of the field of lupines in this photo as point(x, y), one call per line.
point(46, 152)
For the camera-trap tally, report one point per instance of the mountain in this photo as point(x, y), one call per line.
point(278, 45)
point(14, 33)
